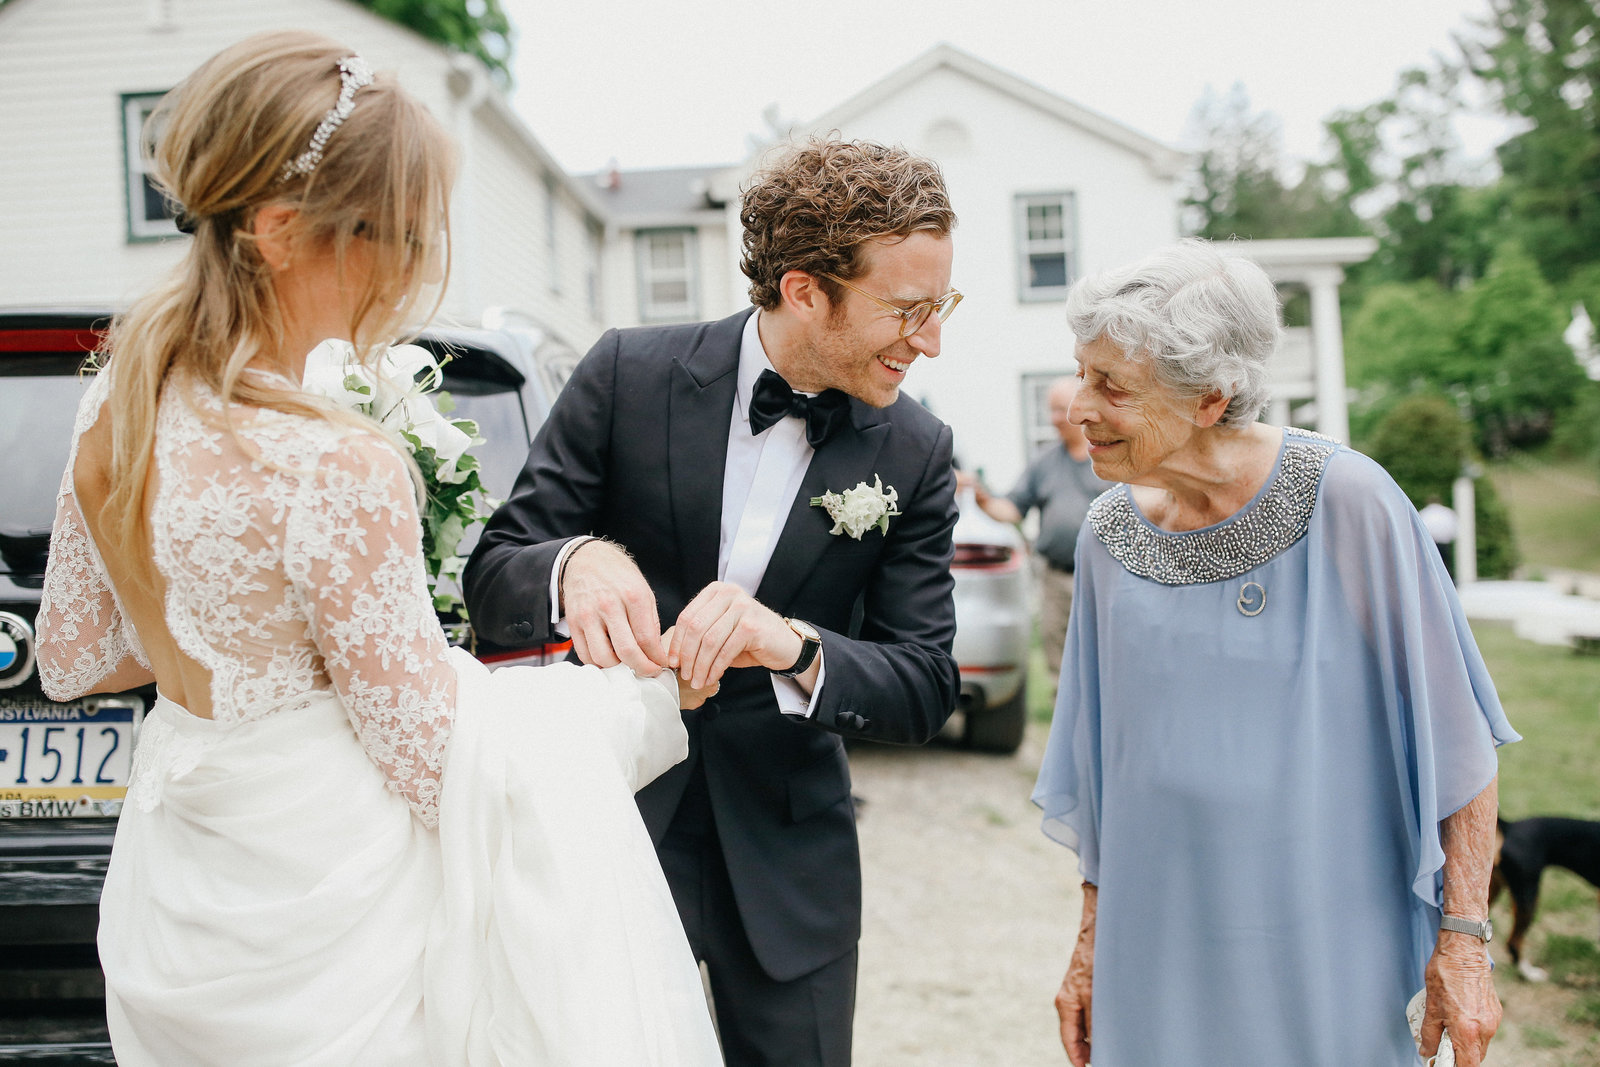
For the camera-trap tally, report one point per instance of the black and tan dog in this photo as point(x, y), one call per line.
point(1523, 849)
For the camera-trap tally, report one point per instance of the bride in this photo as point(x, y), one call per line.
point(343, 842)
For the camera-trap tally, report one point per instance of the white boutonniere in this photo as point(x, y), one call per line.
point(403, 396)
point(855, 511)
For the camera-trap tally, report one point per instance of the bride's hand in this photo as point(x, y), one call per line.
point(689, 697)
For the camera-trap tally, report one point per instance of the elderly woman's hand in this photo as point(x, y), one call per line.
point(1073, 999)
point(1461, 999)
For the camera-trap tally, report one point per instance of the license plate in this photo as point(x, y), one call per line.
point(65, 760)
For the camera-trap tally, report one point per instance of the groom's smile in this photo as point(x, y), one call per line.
point(858, 347)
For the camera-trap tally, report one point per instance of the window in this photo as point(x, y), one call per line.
point(1037, 431)
point(1046, 239)
point(149, 212)
point(667, 290)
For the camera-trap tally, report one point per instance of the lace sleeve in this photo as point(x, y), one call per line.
point(354, 553)
point(83, 637)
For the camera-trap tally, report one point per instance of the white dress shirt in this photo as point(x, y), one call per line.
point(763, 473)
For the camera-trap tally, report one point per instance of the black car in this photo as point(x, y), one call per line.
point(64, 767)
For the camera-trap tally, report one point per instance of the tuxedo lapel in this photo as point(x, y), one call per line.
point(699, 407)
point(839, 464)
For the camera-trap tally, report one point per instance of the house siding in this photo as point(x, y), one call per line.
point(64, 67)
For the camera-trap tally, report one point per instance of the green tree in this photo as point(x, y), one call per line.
point(1237, 187)
point(1401, 333)
point(1495, 347)
point(477, 27)
point(1400, 161)
point(1510, 359)
point(1540, 59)
point(1425, 445)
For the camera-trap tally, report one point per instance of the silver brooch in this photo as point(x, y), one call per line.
point(1252, 599)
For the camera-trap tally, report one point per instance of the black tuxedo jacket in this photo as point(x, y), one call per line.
point(634, 451)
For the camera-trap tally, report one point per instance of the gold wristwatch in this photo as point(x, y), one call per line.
point(810, 645)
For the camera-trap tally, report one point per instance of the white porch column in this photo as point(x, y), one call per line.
point(1327, 333)
point(1463, 498)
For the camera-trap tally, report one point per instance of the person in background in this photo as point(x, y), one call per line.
point(1061, 483)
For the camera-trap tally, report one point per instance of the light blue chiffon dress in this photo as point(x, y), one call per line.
point(1258, 728)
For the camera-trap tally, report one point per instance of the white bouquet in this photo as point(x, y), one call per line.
point(402, 395)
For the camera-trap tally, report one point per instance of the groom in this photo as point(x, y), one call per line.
point(674, 480)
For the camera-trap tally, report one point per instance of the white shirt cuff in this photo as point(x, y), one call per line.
point(792, 699)
point(558, 618)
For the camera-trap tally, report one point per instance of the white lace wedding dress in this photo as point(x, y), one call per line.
point(376, 851)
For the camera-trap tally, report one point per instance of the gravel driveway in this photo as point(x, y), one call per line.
point(969, 911)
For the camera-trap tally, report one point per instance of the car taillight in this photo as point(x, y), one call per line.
point(982, 556)
point(81, 342)
point(539, 654)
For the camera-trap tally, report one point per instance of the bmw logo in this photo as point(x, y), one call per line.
point(16, 650)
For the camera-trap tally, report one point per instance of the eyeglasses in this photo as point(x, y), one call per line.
point(913, 317)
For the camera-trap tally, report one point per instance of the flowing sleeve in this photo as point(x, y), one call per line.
point(83, 635)
point(354, 553)
point(1445, 717)
point(1068, 788)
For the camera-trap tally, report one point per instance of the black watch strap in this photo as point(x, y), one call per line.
point(810, 645)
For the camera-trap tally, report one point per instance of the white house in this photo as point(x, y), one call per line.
point(81, 225)
point(1045, 191)
point(672, 255)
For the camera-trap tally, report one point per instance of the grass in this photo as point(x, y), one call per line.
point(1555, 512)
point(1572, 961)
point(1539, 1037)
point(1041, 683)
point(1552, 697)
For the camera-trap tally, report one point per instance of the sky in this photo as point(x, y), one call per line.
point(655, 83)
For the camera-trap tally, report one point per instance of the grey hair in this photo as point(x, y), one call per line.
point(1207, 322)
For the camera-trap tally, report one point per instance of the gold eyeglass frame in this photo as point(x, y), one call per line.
point(941, 307)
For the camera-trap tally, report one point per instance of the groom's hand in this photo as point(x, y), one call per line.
point(722, 627)
point(610, 610)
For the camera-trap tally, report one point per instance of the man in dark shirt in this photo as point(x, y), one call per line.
point(1061, 483)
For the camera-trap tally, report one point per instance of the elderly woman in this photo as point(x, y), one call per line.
point(1274, 742)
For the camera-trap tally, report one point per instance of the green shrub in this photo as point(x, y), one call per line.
point(1423, 442)
point(1497, 544)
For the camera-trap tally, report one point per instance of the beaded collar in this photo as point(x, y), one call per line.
point(1277, 518)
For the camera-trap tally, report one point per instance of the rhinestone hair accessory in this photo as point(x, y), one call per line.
point(353, 74)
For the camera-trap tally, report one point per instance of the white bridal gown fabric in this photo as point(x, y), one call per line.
point(376, 851)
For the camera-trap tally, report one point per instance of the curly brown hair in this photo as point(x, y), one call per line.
point(813, 207)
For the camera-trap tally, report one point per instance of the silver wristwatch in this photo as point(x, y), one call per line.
point(1483, 931)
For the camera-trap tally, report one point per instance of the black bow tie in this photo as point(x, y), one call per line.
point(774, 400)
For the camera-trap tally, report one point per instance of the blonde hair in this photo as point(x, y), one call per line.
point(227, 132)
